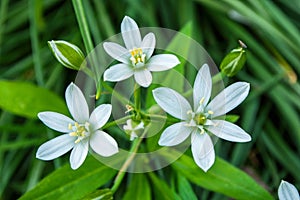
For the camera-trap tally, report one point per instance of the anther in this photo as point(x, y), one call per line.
point(73, 134)
point(77, 141)
point(189, 112)
point(70, 126)
point(210, 112)
point(202, 131)
point(201, 101)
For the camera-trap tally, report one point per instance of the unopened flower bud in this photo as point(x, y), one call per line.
point(67, 54)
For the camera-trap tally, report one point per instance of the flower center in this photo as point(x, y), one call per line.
point(200, 117)
point(79, 130)
point(137, 57)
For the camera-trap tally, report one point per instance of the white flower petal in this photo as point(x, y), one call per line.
point(162, 62)
point(172, 102)
point(287, 191)
point(79, 154)
point(130, 33)
point(117, 52)
point(175, 134)
point(228, 131)
point(229, 98)
point(100, 116)
point(77, 104)
point(55, 147)
point(202, 87)
point(148, 44)
point(103, 144)
point(202, 150)
point(56, 121)
point(118, 72)
point(143, 77)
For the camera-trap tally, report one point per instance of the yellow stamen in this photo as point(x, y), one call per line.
point(70, 126)
point(210, 112)
point(201, 101)
point(202, 131)
point(137, 56)
point(78, 140)
point(73, 134)
point(189, 112)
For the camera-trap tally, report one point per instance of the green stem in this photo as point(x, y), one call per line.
point(137, 97)
point(119, 96)
point(118, 121)
point(137, 101)
point(87, 39)
point(218, 77)
point(83, 26)
point(124, 167)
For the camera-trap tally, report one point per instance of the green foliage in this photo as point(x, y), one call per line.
point(104, 194)
point(139, 188)
point(27, 100)
point(65, 183)
point(270, 114)
point(222, 177)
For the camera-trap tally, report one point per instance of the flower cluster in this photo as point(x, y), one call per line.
point(199, 122)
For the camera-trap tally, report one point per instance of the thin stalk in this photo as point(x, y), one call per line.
point(86, 36)
point(126, 164)
point(137, 101)
point(118, 121)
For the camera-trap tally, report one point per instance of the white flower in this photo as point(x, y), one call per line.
point(136, 57)
point(287, 191)
point(132, 128)
point(80, 133)
point(201, 120)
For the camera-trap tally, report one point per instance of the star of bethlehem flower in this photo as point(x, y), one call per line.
point(287, 191)
point(136, 59)
point(201, 120)
point(79, 133)
point(133, 129)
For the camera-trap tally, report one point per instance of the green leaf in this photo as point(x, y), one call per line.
point(104, 194)
point(184, 188)
point(233, 62)
point(27, 100)
point(139, 188)
point(65, 183)
point(161, 189)
point(222, 177)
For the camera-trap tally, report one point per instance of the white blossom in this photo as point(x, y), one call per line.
point(201, 120)
point(79, 133)
point(136, 59)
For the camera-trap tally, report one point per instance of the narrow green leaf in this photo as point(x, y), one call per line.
point(139, 188)
point(104, 194)
point(27, 100)
point(222, 177)
point(184, 188)
point(161, 189)
point(65, 183)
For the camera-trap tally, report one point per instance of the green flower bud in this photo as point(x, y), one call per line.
point(234, 61)
point(67, 54)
